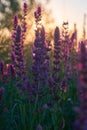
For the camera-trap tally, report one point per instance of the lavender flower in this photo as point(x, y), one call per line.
point(65, 37)
point(40, 67)
point(66, 50)
point(57, 56)
point(25, 7)
point(17, 54)
point(73, 47)
point(15, 22)
point(37, 14)
point(24, 24)
point(18, 37)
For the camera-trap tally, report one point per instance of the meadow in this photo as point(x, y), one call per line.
point(43, 85)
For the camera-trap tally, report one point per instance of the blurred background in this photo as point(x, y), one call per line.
point(54, 13)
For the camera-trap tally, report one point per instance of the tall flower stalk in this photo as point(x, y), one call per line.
point(66, 50)
point(40, 67)
point(57, 56)
point(73, 47)
point(18, 37)
point(17, 53)
point(24, 24)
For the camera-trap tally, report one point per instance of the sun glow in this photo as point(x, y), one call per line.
point(4, 33)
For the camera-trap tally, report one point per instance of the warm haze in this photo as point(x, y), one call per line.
point(71, 10)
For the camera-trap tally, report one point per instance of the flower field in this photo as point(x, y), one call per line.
point(43, 85)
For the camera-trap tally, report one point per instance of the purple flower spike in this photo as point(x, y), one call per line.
point(56, 35)
point(17, 53)
point(39, 10)
point(40, 67)
point(18, 34)
point(16, 19)
point(15, 22)
point(35, 14)
point(24, 24)
point(66, 49)
point(57, 56)
point(25, 5)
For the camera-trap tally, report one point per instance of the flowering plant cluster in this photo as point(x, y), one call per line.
point(43, 97)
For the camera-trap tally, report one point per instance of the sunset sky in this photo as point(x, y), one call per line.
point(71, 10)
